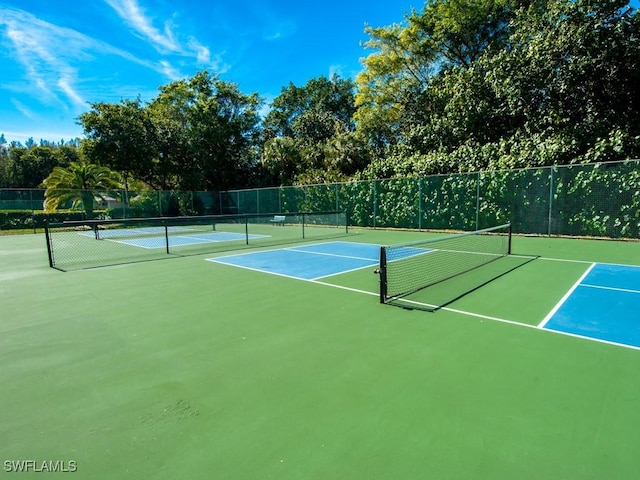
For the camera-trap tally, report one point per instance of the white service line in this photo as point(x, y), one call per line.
point(566, 296)
point(615, 289)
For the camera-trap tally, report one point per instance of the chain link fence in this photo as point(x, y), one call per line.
point(599, 200)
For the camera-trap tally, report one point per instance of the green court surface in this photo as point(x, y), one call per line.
point(184, 368)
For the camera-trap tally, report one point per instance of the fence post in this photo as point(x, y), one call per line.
point(478, 202)
point(419, 203)
point(375, 202)
point(550, 200)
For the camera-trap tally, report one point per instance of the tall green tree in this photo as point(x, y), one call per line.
point(330, 96)
point(123, 137)
point(310, 133)
point(446, 35)
point(525, 83)
point(78, 184)
point(209, 132)
point(281, 158)
point(4, 164)
point(197, 134)
point(26, 167)
point(571, 65)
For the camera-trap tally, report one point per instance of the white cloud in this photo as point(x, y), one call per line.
point(167, 69)
point(64, 84)
point(279, 29)
point(165, 42)
point(203, 54)
point(39, 48)
point(131, 12)
point(23, 109)
point(53, 59)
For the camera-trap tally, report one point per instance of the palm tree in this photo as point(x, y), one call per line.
point(79, 183)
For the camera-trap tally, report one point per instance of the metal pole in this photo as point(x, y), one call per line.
point(382, 271)
point(478, 202)
point(166, 236)
point(550, 200)
point(375, 203)
point(49, 249)
point(419, 204)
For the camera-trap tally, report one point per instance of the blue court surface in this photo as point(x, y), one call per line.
point(154, 237)
point(603, 305)
point(130, 232)
point(308, 262)
point(190, 239)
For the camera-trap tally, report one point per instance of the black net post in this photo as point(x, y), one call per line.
point(49, 248)
point(407, 268)
point(166, 236)
point(382, 271)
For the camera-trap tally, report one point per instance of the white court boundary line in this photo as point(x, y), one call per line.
point(565, 298)
point(490, 318)
point(615, 289)
point(299, 250)
point(335, 255)
point(538, 327)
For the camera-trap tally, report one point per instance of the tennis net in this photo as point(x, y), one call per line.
point(409, 267)
point(95, 243)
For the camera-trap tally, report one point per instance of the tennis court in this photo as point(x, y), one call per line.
point(604, 304)
point(308, 262)
point(180, 239)
point(279, 361)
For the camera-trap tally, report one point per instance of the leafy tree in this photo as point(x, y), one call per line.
point(26, 167)
point(210, 132)
point(395, 88)
point(572, 65)
point(306, 132)
point(333, 97)
point(4, 165)
point(122, 137)
point(281, 158)
point(525, 83)
point(197, 134)
point(79, 183)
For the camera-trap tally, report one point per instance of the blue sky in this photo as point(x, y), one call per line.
point(56, 57)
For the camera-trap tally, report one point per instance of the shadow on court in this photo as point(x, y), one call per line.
point(442, 294)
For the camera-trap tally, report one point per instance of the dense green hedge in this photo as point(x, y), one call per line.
point(595, 199)
point(600, 200)
point(30, 219)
